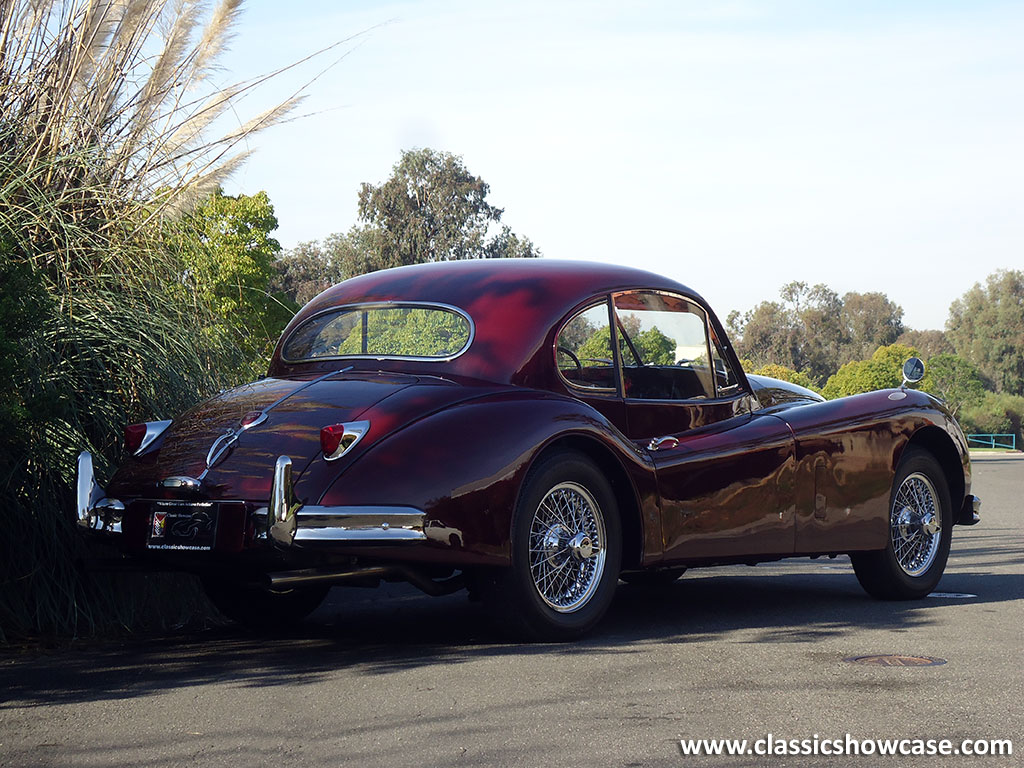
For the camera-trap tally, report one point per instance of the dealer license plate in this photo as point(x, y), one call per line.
point(182, 525)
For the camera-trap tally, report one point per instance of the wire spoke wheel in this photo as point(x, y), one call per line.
point(915, 524)
point(567, 549)
point(920, 528)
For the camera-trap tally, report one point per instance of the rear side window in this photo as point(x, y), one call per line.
point(583, 350)
point(404, 331)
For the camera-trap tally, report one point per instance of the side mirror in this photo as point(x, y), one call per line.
point(913, 371)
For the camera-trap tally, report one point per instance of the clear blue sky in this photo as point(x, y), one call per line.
point(733, 146)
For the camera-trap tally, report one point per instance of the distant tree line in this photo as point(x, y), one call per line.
point(857, 343)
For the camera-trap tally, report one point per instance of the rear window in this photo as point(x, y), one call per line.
point(406, 331)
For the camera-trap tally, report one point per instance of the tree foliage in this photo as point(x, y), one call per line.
point(986, 327)
point(883, 370)
point(430, 209)
point(653, 345)
point(928, 343)
point(953, 380)
point(310, 268)
point(783, 373)
point(814, 330)
point(228, 258)
point(995, 413)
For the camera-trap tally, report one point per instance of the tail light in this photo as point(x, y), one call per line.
point(138, 437)
point(338, 439)
point(252, 418)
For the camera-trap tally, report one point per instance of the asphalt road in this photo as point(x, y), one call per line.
point(391, 678)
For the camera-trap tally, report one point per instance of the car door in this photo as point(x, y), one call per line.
point(724, 470)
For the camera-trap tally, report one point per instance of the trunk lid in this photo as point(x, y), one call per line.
point(293, 411)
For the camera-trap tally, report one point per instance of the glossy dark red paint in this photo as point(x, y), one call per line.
point(747, 479)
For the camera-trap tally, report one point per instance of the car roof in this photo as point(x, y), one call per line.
point(515, 305)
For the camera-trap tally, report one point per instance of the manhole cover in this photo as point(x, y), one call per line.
point(896, 660)
point(953, 595)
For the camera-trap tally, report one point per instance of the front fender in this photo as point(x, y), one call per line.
point(464, 467)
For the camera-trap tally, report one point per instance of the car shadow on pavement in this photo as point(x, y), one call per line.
point(380, 632)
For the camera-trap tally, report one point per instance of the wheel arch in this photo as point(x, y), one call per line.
point(940, 445)
point(625, 493)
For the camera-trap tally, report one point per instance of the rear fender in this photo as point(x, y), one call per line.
point(464, 467)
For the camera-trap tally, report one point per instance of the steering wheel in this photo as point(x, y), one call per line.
point(572, 356)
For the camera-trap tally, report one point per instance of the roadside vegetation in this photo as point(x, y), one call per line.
point(110, 310)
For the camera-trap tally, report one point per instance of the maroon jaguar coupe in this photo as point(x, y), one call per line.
point(532, 431)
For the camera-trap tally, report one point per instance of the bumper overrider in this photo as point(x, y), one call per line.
point(970, 512)
point(284, 521)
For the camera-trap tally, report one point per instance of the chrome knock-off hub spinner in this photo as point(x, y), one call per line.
point(581, 546)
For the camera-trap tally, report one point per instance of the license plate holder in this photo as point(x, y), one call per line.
point(182, 525)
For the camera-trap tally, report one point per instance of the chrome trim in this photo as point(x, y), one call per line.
point(88, 491)
point(296, 391)
point(378, 305)
point(378, 524)
point(230, 437)
point(181, 482)
point(217, 450)
point(153, 430)
point(354, 431)
point(281, 519)
point(975, 509)
point(662, 442)
point(287, 522)
point(95, 511)
point(258, 420)
point(554, 348)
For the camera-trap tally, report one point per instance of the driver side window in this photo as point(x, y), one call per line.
point(663, 343)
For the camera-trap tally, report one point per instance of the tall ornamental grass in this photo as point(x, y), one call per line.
point(105, 114)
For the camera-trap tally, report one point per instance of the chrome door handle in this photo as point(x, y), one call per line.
point(662, 442)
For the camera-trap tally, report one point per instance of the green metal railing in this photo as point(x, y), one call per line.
point(992, 441)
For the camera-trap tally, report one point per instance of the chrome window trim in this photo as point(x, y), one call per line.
point(615, 368)
point(382, 305)
point(716, 398)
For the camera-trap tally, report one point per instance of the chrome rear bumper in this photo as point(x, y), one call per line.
point(285, 521)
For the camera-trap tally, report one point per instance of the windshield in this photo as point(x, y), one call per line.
point(406, 331)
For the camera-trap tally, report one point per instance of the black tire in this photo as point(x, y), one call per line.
point(563, 594)
point(263, 608)
point(915, 555)
point(659, 578)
